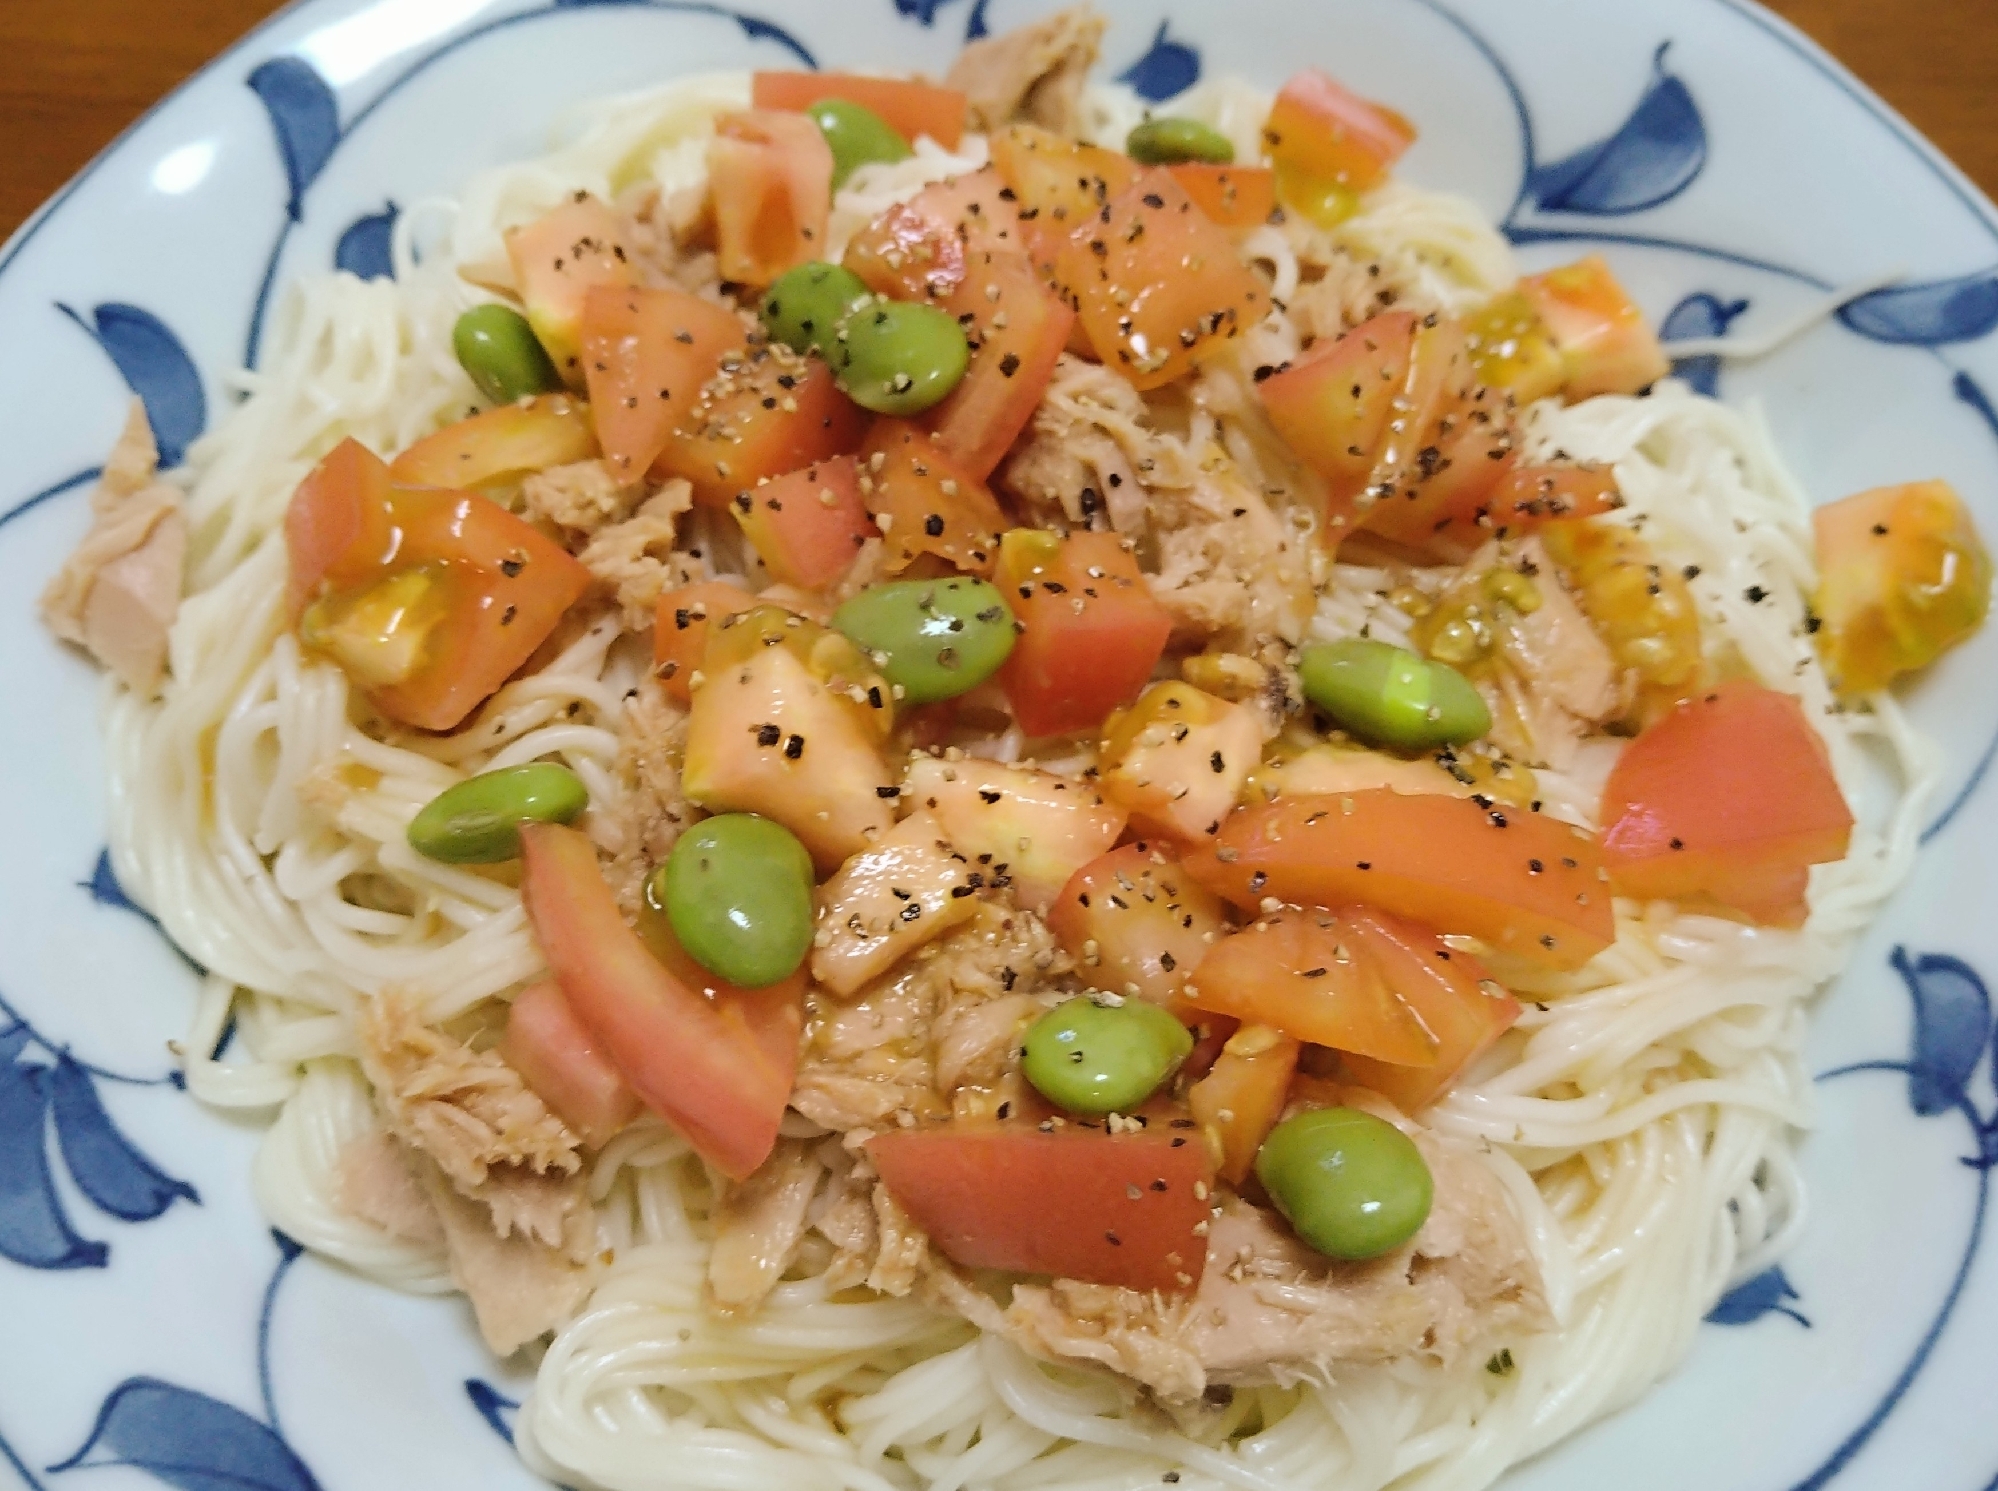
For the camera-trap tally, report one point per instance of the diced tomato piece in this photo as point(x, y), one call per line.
point(773, 1016)
point(1158, 286)
point(647, 355)
point(808, 526)
point(1092, 632)
point(1061, 184)
point(1730, 797)
point(1233, 196)
point(1511, 348)
point(910, 109)
point(430, 599)
point(917, 251)
point(1902, 578)
point(680, 629)
point(1178, 758)
point(1312, 975)
point(1150, 922)
point(1606, 344)
point(557, 260)
point(1329, 145)
point(1525, 498)
point(1124, 1206)
point(1026, 828)
point(1449, 443)
point(927, 502)
point(499, 445)
point(770, 173)
point(1527, 885)
point(707, 1068)
point(565, 1065)
point(770, 415)
point(1640, 606)
point(1240, 1099)
point(1460, 1007)
point(1017, 328)
point(1331, 406)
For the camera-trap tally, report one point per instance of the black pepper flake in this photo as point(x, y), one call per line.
point(1363, 864)
point(933, 525)
point(912, 911)
point(794, 747)
point(1678, 844)
point(1168, 962)
point(1009, 364)
point(1755, 595)
point(1314, 973)
point(990, 795)
point(512, 567)
point(890, 793)
point(1217, 763)
point(1113, 1239)
point(1257, 881)
point(768, 735)
point(506, 616)
point(1534, 867)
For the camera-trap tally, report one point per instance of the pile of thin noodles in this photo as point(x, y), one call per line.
point(1642, 1115)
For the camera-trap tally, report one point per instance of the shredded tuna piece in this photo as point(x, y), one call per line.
point(380, 1183)
point(846, 1220)
point(1348, 293)
point(519, 1288)
point(639, 827)
point(902, 1251)
point(1268, 1309)
point(470, 1113)
point(760, 1224)
point(580, 498)
point(1034, 72)
point(634, 558)
point(1091, 449)
point(116, 596)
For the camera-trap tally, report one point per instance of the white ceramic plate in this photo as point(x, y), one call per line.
point(1731, 172)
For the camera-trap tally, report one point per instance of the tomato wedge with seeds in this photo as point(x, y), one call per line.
point(646, 356)
point(713, 1069)
point(910, 109)
point(1730, 797)
point(1526, 885)
point(1128, 1202)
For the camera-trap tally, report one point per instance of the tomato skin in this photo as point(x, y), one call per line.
point(1311, 975)
point(925, 501)
point(502, 582)
point(557, 260)
point(1089, 641)
point(1731, 797)
point(919, 250)
point(1332, 405)
point(770, 174)
point(1151, 922)
point(982, 1190)
point(1525, 498)
point(1902, 578)
point(761, 428)
point(1232, 196)
point(646, 355)
point(680, 630)
point(1461, 1008)
point(803, 539)
point(1606, 344)
point(910, 109)
point(1448, 862)
point(1159, 288)
point(500, 444)
point(1061, 184)
point(1018, 330)
point(559, 1059)
point(1326, 133)
point(1242, 1095)
point(707, 1068)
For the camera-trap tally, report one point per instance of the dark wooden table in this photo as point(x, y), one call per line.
point(78, 71)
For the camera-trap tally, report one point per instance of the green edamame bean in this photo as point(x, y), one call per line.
point(1103, 1058)
point(478, 821)
point(1391, 696)
point(737, 890)
point(1352, 1185)
point(899, 357)
point(858, 137)
point(1167, 142)
point(805, 306)
point(936, 638)
point(505, 358)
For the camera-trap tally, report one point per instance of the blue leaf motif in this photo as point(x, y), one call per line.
point(757, 29)
point(13, 1041)
point(1952, 1028)
point(1969, 391)
point(364, 249)
point(1699, 315)
point(492, 1405)
point(1168, 69)
point(190, 1441)
point(156, 367)
point(1927, 315)
point(1751, 1299)
point(305, 116)
point(924, 11)
point(977, 26)
point(33, 1228)
point(106, 891)
point(1650, 159)
point(106, 1168)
